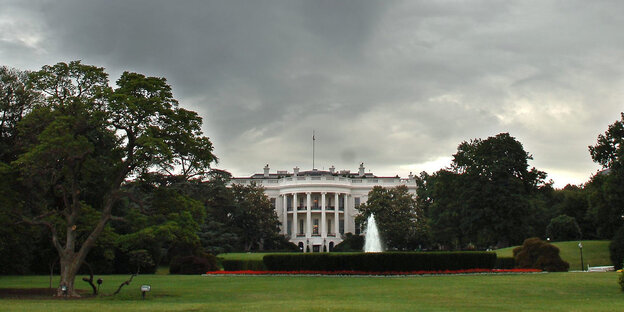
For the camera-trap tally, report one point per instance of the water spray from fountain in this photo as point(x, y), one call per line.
point(372, 241)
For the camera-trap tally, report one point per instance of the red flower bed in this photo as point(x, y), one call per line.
point(371, 273)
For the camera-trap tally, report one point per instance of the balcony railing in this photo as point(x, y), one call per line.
point(330, 207)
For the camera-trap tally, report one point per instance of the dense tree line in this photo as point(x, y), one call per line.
point(120, 179)
point(107, 176)
point(489, 198)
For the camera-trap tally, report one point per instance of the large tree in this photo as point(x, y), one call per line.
point(485, 198)
point(605, 191)
point(400, 221)
point(88, 139)
point(253, 218)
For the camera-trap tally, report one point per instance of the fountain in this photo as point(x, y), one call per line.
point(372, 241)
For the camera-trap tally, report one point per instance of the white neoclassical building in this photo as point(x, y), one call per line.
point(317, 207)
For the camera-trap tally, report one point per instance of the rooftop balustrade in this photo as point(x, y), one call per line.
point(336, 180)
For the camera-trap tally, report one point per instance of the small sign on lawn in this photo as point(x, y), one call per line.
point(144, 289)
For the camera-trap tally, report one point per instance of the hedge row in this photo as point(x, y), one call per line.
point(243, 265)
point(380, 262)
point(505, 263)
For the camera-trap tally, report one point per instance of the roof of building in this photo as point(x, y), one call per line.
point(314, 172)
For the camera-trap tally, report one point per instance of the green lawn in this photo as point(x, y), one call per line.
point(530, 292)
point(595, 253)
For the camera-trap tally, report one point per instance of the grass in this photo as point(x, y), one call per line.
point(530, 292)
point(595, 253)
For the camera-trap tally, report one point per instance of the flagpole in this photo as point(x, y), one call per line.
point(313, 139)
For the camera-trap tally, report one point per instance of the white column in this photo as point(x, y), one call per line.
point(285, 208)
point(309, 215)
point(336, 217)
point(345, 213)
point(295, 221)
point(323, 218)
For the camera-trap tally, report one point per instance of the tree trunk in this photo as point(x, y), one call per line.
point(69, 269)
point(70, 260)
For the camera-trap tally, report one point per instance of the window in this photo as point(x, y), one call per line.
point(273, 202)
point(357, 228)
point(357, 201)
point(315, 227)
point(329, 227)
point(341, 226)
point(301, 226)
point(289, 228)
point(289, 203)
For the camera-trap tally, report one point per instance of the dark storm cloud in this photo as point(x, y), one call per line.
point(395, 84)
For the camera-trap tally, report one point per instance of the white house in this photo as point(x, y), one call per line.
point(317, 207)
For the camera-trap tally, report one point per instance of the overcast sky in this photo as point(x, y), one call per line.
point(394, 84)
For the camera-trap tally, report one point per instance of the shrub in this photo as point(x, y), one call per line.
point(563, 228)
point(142, 261)
point(280, 243)
point(193, 264)
point(381, 262)
point(243, 265)
point(616, 248)
point(505, 263)
point(350, 243)
point(538, 254)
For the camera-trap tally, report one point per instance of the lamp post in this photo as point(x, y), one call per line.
point(581, 249)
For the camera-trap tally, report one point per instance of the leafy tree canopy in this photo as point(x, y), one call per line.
point(79, 147)
point(608, 150)
point(400, 221)
point(487, 196)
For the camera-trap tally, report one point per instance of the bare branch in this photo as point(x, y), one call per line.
point(125, 283)
point(90, 279)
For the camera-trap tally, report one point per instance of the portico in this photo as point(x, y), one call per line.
point(314, 218)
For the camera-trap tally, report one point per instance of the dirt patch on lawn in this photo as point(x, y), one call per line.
point(36, 293)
